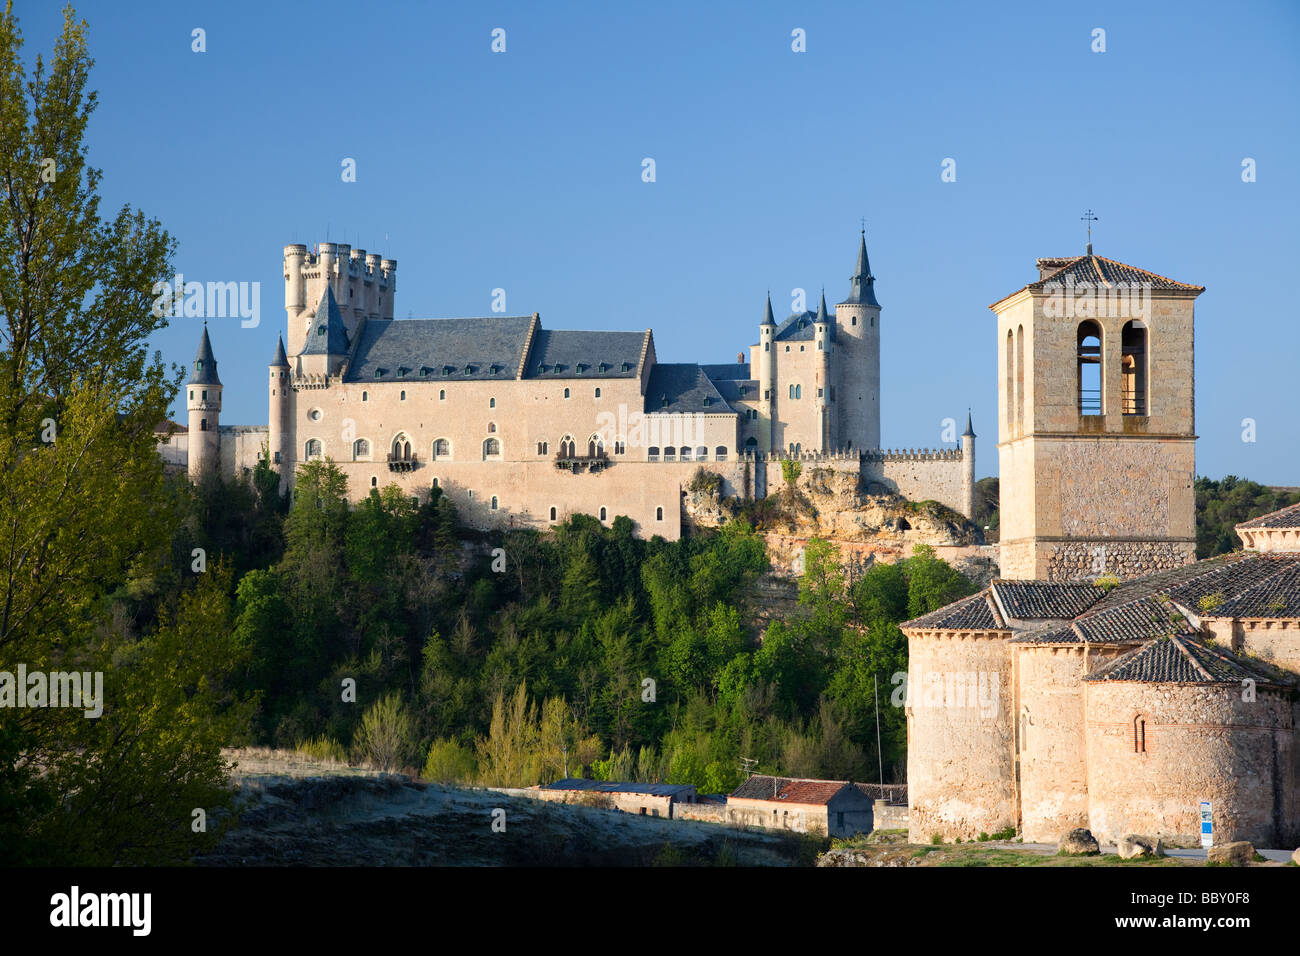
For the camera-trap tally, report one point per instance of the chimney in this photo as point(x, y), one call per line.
point(740, 358)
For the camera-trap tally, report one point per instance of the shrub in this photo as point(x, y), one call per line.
point(384, 738)
point(705, 481)
point(449, 762)
point(323, 748)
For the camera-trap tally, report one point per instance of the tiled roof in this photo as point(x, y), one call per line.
point(613, 786)
point(569, 354)
point(1143, 618)
point(439, 349)
point(676, 388)
point(327, 334)
point(1104, 272)
point(1046, 599)
point(1288, 517)
point(1185, 659)
point(789, 789)
point(974, 613)
point(1277, 595)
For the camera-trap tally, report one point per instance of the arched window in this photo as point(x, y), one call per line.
point(313, 448)
point(401, 448)
point(374, 482)
point(494, 502)
point(1090, 370)
point(552, 514)
point(702, 453)
point(361, 448)
point(365, 396)
point(203, 424)
point(751, 442)
point(598, 391)
point(1020, 376)
point(491, 448)
point(492, 403)
point(686, 453)
point(441, 449)
point(620, 447)
point(595, 446)
point(792, 391)
point(602, 512)
point(670, 453)
point(1010, 391)
point(403, 396)
point(720, 453)
point(1139, 734)
point(659, 514)
point(442, 394)
point(541, 447)
point(1133, 348)
point(492, 428)
point(653, 453)
point(435, 483)
point(566, 393)
point(568, 447)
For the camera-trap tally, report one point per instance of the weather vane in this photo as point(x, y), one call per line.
point(1089, 218)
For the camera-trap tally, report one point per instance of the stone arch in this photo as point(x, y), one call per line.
point(400, 449)
point(491, 448)
point(1134, 366)
point(1090, 365)
point(313, 448)
point(441, 448)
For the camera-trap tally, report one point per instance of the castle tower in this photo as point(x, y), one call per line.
point(766, 378)
point(203, 402)
point(1096, 425)
point(364, 286)
point(856, 379)
point(278, 418)
point(821, 333)
point(968, 468)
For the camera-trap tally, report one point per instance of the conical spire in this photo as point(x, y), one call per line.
point(767, 314)
point(327, 335)
point(821, 309)
point(969, 432)
point(280, 360)
point(205, 363)
point(862, 287)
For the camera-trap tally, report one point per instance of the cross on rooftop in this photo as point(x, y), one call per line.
point(1089, 218)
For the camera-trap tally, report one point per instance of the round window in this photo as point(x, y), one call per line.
point(314, 414)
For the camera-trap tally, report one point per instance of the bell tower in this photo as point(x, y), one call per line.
point(1096, 422)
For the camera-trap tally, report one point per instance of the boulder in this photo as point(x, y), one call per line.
point(1295, 857)
point(1232, 854)
point(1133, 845)
point(1079, 842)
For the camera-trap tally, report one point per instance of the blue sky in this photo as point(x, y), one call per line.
point(522, 170)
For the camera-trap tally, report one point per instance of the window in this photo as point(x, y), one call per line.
point(552, 514)
point(191, 395)
point(491, 448)
point(494, 503)
point(767, 346)
point(820, 392)
point(686, 453)
point(602, 512)
point(365, 396)
point(787, 348)
point(276, 458)
point(595, 446)
point(1139, 734)
point(752, 414)
point(435, 482)
point(720, 453)
point(441, 449)
point(374, 482)
point(701, 454)
point(839, 819)
point(1133, 349)
point(659, 514)
point(492, 427)
point(853, 321)
point(751, 443)
point(1020, 375)
point(1089, 368)
point(401, 448)
point(205, 394)
point(442, 394)
point(313, 448)
point(873, 321)
point(598, 392)
point(620, 448)
point(361, 448)
point(541, 448)
point(670, 453)
point(653, 453)
point(566, 393)
point(492, 403)
point(402, 397)
point(203, 424)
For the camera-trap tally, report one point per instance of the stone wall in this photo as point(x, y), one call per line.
point(1074, 560)
point(1201, 742)
point(1049, 740)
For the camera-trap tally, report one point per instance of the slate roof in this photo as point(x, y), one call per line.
point(725, 372)
point(570, 354)
point(1288, 517)
point(796, 327)
point(1046, 599)
point(676, 388)
point(1186, 659)
point(1277, 595)
point(974, 613)
point(862, 288)
point(327, 335)
point(1143, 618)
point(789, 789)
point(613, 786)
point(280, 360)
point(205, 363)
point(420, 349)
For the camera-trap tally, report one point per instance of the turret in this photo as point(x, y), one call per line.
point(295, 293)
point(822, 335)
point(857, 358)
point(203, 402)
point(968, 468)
point(278, 417)
point(364, 285)
point(766, 376)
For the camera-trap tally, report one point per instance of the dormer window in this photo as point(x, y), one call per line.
point(663, 401)
point(707, 401)
point(626, 367)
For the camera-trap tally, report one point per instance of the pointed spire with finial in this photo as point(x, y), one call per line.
point(281, 360)
point(970, 431)
point(767, 313)
point(205, 363)
point(821, 309)
point(862, 284)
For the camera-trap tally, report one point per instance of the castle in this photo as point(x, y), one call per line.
point(1108, 680)
point(520, 425)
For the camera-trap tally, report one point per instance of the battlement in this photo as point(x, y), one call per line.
point(364, 284)
point(874, 454)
